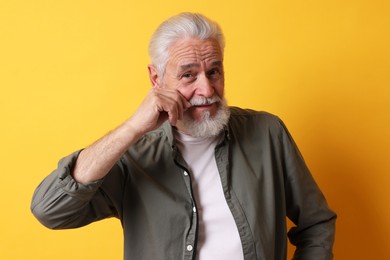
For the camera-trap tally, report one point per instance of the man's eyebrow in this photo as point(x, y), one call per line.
point(189, 66)
point(217, 63)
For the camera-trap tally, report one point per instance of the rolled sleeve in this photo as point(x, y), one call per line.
point(60, 202)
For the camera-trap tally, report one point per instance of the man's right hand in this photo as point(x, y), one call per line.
point(159, 105)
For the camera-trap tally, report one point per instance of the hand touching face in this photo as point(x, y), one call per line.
point(195, 70)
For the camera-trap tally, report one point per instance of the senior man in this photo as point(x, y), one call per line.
point(188, 176)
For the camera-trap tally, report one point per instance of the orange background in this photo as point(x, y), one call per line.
point(72, 70)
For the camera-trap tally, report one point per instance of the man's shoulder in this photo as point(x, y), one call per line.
point(248, 122)
point(242, 115)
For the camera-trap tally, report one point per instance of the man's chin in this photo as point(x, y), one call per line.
point(205, 122)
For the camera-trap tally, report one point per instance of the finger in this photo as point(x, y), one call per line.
point(167, 104)
point(185, 102)
point(184, 105)
point(178, 97)
point(175, 105)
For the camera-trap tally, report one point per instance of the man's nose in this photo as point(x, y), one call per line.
point(204, 86)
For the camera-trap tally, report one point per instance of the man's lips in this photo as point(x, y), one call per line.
point(204, 105)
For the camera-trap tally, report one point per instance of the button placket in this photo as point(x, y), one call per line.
point(191, 236)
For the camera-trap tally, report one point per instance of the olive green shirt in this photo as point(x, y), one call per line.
point(264, 179)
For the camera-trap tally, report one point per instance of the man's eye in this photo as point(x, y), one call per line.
point(214, 72)
point(187, 75)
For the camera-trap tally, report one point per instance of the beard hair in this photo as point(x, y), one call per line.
point(208, 126)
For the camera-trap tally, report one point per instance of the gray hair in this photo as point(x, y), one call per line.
point(183, 25)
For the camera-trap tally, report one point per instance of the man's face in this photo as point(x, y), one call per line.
point(195, 69)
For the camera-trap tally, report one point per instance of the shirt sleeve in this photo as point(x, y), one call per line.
point(307, 208)
point(59, 202)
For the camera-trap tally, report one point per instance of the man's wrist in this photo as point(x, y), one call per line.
point(132, 131)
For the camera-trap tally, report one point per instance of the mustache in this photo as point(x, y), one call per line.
point(200, 101)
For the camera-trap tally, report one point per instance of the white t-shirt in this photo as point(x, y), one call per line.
point(218, 236)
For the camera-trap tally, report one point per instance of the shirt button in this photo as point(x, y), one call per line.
point(194, 209)
point(185, 173)
point(189, 248)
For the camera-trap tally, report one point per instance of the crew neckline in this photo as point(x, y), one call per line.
point(185, 138)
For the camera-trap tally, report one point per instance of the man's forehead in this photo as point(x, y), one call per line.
point(190, 52)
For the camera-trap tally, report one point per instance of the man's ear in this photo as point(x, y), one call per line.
point(154, 76)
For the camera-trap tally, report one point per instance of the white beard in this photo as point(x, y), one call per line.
point(208, 126)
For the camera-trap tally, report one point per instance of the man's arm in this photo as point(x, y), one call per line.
point(72, 195)
point(314, 232)
point(160, 105)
